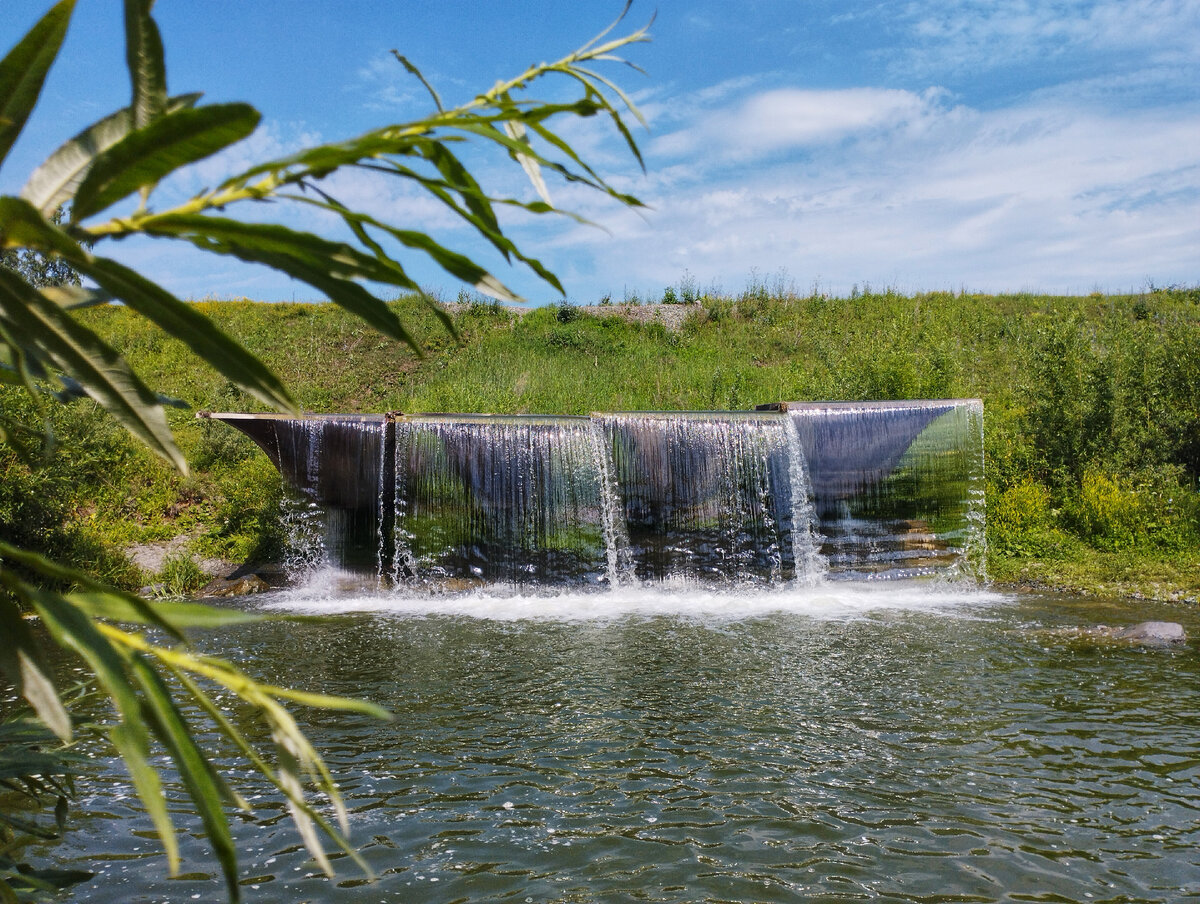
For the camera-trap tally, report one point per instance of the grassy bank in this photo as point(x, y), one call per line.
point(1092, 411)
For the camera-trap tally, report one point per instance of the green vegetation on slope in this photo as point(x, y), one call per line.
point(1092, 410)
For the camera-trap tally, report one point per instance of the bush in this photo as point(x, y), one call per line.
point(565, 312)
point(717, 310)
point(1106, 513)
point(1020, 520)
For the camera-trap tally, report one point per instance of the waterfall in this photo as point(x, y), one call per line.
point(304, 520)
point(897, 486)
point(333, 466)
point(500, 498)
point(800, 493)
point(616, 533)
point(811, 565)
point(704, 495)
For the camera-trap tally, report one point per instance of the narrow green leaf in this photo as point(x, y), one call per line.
point(443, 192)
point(52, 880)
point(464, 183)
point(21, 660)
point(457, 265)
point(146, 155)
point(516, 131)
point(23, 224)
point(55, 181)
point(119, 608)
point(147, 613)
point(28, 826)
point(323, 701)
point(71, 298)
point(24, 69)
point(283, 725)
point(231, 732)
point(73, 629)
point(293, 788)
point(82, 354)
point(134, 747)
point(324, 159)
point(219, 233)
point(195, 330)
point(413, 70)
point(320, 263)
point(144, 56)
point(205, 787)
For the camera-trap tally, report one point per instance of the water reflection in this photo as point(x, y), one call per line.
point(912, 753)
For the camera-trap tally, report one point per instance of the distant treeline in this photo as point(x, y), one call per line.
point(1092, 410)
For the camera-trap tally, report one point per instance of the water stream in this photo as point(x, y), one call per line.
point(844, 743)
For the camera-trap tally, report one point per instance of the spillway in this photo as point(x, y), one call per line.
point(795, 492)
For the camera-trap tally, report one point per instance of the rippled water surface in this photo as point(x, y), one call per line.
point(840, 744)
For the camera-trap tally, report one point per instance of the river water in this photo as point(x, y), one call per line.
point(844, 743)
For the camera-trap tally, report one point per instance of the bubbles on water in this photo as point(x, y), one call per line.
point(672, 599)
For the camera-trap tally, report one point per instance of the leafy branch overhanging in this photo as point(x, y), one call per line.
point(48, 353)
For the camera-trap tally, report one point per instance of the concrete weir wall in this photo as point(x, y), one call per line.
point(793, 491)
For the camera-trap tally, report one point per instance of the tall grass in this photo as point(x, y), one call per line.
point(1092, 404)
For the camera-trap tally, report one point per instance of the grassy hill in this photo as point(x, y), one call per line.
point(1092, 411)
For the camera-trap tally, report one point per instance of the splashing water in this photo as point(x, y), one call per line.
point(813, 492)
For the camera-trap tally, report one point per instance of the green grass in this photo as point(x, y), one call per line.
point(1092, 429)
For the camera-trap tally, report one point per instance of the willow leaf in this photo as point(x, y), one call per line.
point(413, 70)
point(293, 788)
point(146, 155)
point(464, 183)
point(25, 667)
point(516, 131)
point(195, 330)
point(444, 193)
point(323, 701)
point(23, 71)
point(319, 262)
point(74, 630)
point(55, 181)
point(457, 265)
point(71, 298)
point(82, 354)
point(147, 613)
point(324, 159)
point(134, 747)
point(231, 731)
point(144, 56)
point(119, 607)
point(349, 295)
point(205, 787)
point(218, 233)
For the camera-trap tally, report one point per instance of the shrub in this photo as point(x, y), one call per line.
point(1105, 512)
point(688, 293)
point(1020, 520)
point(717, 310)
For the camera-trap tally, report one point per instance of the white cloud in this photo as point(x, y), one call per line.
point(919, 195)
point(983, 34)
point(790, 118)
point(387, 86)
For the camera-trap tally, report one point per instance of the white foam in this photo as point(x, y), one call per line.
point(828, 601)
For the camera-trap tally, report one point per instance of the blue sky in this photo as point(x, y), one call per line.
point(924, 145)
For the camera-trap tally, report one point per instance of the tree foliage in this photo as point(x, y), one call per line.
point(106, 177)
